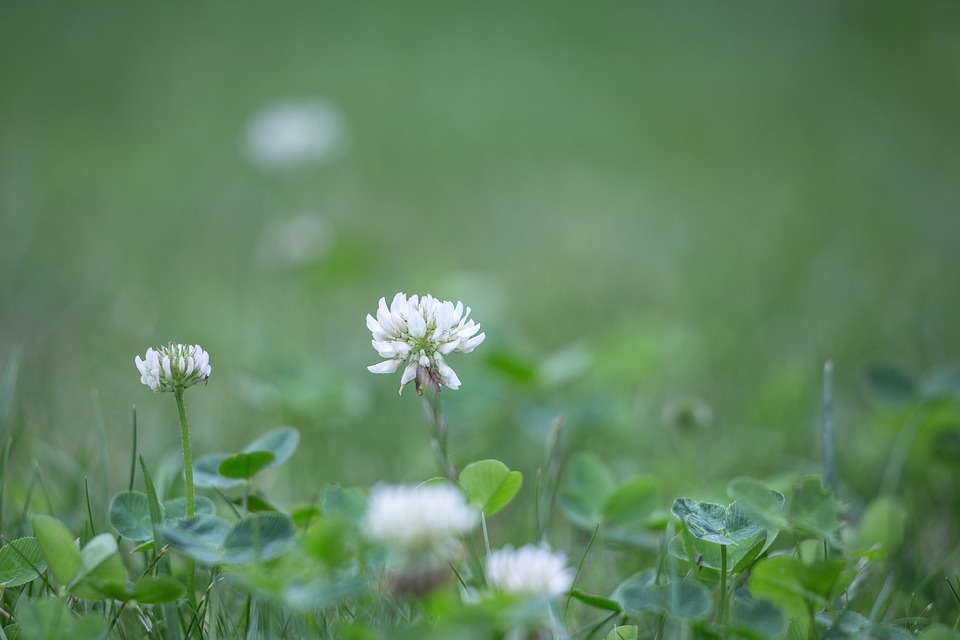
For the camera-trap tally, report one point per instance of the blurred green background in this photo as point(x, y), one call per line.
point(651, 207)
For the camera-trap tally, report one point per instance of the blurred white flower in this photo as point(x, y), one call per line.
point(531, 570)
point(174, 367)
point(420, 524)
point(286, 134)
point(417, 333)
point(295, 241)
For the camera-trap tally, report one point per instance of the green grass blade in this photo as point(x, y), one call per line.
point(102, 445)
point(8, 385)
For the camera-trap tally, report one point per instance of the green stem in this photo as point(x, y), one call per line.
point(188, 487)
point(721, 609)
point(187, 455)
point(576, 576)
point(431, 402)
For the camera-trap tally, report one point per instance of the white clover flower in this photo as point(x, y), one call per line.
point(174, 367)
point(291, 133)
point(418, 523)
point(531, 570)
point(417, 333)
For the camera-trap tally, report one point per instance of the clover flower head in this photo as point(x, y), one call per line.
point(419, 523)
point(531, 570)
point(174, 367)
point(417, 332)
point(291, 133)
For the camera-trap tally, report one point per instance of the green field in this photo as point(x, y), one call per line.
point(652, 208)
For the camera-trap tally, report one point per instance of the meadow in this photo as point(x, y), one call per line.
point(667, 219)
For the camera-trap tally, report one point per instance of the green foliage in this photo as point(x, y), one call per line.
point(757, 619)
point(211, 540)
point(50, 619)
point(157, 590)
point(348, 504)
point(624, 632)
point(939, 632)
point(130, 516)
point(814, 510)
point(852, 625)
point(800, 587)
point(715, 523)
point(631, 502)
point(130, 513)
point(245, 465)
point(706, 553)
point(641, 593)
point(589, 495)
point(101, 575)
point(58, 547)
point(595, 601)
point(882, 526)
point(890, 385)
point(230, 470)
point(206, 473)
point(489, 485)
point(282, 442)
point(587, 483)
point(758, 503)
point(21, 561)
point(258, 538)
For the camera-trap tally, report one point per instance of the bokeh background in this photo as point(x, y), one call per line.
point(666, 216)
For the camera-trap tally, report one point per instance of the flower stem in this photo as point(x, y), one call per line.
point(431, 404)
point(187, 455)
point(721, 609)
point(188, 485)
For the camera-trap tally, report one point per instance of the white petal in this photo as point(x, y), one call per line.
point(384, 349)
point(401, 348)
point(387, 366)
point(468, 329)
point(408, 375)
point(416, 325)
point(449, 346)
point(399, 302)
point(373, 325)
point(472, 343)
point(447, 374)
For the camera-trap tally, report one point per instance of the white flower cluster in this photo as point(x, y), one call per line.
point(174, 367)
point(418, 523)
point(417, 332)
point(531, 570)
point(291, 133)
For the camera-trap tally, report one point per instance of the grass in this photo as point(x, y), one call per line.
point(649, 205)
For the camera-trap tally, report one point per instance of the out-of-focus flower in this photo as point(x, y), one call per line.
point(417, 333)
point(174, 367)
point(419, 524)
point(286, 134)
point(687, 413)
point(531, 570)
